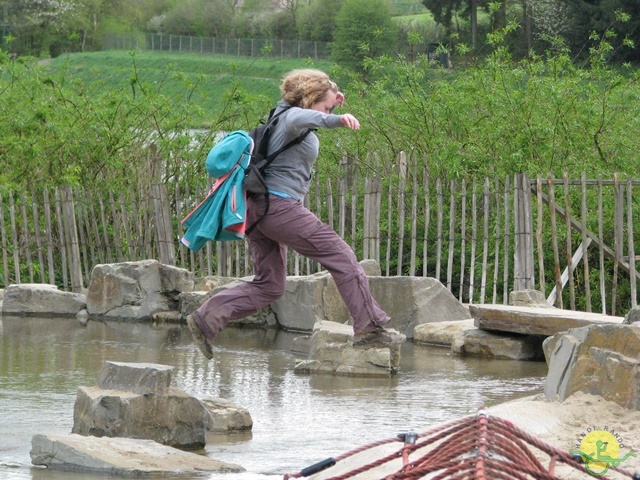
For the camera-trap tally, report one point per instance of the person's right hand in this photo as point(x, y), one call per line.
point(349, 121)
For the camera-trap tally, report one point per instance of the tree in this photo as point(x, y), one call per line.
point(363, 30)
point(602, 17)
point(319, 21)
point(443, 12)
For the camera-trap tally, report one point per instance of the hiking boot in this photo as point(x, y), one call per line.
point(198, 338)
point(378, 338)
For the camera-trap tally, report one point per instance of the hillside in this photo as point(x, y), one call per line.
point(210, 77)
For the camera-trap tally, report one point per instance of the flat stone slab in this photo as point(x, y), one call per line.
point(142, 378)
point(119, 456)
point(535, 320)
point(38, 300)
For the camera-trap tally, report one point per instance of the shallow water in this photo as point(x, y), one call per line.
point(298, 419)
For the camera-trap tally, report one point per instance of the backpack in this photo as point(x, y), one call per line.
point(254, 182)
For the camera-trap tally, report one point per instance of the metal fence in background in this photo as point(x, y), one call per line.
point(242, 47)
point(251, 47)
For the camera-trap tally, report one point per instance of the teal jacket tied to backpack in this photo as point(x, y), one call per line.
point(222, 214)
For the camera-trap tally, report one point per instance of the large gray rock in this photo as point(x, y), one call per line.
point(411, 301)
point(120, 456)
point(175, 419)
point(535, 320)
point(38, 299)
point(332, 352)
point(528, 298)
point(602, 360)
point(463, 338)
point(136, 290)
point(442, 334)
point(139, 403)
point(204, 284)
point(226, 416)
point(303, 303)
point(505, 346)
point(632, 316)
point(191, 301)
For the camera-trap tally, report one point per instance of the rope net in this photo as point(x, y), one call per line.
point(477, 447)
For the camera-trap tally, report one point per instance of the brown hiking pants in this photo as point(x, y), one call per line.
point(289, 224)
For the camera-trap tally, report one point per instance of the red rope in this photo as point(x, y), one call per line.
point(476, 447)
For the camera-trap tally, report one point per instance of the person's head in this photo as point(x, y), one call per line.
point(309, 88)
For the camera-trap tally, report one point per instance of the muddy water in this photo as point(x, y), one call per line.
point(298, 419)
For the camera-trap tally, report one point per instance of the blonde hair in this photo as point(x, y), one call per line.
point(305, 87)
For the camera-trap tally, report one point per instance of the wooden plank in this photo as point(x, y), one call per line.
point(354, 206)
point(377, 215)
point(79, 206)
point(539, 228)
point(105, 235)
point(62, 240)
point(583, 235)
point(70, 232)
point(427, 219)
point(569, 245)
point(603, 294)
point(414, 221)
point(523, 267)
point(342, 200)
point(6, 276)
point(125, 227)
point(463, 237)
point(485, 241)
point(439, 227)
point(14, 237)
point(554, 241)
point(117, 228)
point(631, 250)
point(367, 220)
point(389, 226)
point(92, 239)
point(617, 242)
point(507, 241)
point(452, 224)
point(329, 203)
point(496, 259)
point(48, 226)
point(474, 239)
point(26, 235)
point(401, 216)
point(163, 230)
point(100, 250)
point(575, 260)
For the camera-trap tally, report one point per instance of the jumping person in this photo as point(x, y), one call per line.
point(311, 97)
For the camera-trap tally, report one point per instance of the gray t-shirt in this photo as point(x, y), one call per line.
point(290, 172)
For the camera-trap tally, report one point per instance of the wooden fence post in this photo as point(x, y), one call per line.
point(164, 230)
point(71, 238)
point(523, 267)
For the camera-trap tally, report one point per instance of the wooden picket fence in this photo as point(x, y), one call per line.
point(482, 238)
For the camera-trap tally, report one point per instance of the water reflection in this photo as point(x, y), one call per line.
point(298, 419)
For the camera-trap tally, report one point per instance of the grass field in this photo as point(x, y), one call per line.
point(172, 74)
